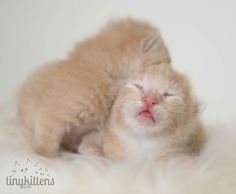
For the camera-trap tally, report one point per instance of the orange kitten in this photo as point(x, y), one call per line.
point(64, 100)
point(154, 115)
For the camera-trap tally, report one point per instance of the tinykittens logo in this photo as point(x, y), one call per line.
point(29, 174)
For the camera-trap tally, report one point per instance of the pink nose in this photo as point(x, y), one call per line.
point(150, 101)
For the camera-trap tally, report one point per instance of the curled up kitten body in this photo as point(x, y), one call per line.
point(154, 116)
point(66, 99)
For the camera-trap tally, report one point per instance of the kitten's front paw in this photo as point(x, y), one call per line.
point(47, 152)
point(86, 149)
point(186, 162)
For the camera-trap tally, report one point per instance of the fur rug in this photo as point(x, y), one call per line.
point(213, 172)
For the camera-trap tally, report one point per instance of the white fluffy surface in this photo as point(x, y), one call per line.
point(214, 172)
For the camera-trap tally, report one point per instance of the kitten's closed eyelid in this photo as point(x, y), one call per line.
point(168, 94)
point(172, 96)
point(139, 86)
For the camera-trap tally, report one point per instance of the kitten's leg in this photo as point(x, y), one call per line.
point(73, 136)
point(91, 144)
point(48, 135)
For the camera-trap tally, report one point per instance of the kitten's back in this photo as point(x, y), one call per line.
point(81, 88)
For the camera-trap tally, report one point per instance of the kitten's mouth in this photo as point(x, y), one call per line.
point(146, 116)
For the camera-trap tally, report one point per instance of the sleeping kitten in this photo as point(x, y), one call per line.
point(64, 100)
point(154, 115)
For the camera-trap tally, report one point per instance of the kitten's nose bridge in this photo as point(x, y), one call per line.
point(150, 100)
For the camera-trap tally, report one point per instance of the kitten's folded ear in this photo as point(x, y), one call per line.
point(150, 43)
point(153, 43)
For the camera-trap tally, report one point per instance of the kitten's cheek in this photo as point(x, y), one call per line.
point(174, 103)
point(128, 111)
point(158, 115)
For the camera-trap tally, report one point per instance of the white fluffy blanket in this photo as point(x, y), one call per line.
point(214, 172)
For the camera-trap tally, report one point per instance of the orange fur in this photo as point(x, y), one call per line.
point(71, 97)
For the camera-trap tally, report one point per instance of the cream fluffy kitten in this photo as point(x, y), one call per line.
point(64, 100)
point(154, 115)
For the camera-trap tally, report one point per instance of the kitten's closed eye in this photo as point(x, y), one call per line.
point(139, 86)
point(168, 94)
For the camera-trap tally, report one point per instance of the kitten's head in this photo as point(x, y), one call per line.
point(156, 100)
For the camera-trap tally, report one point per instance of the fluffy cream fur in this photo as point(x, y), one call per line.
point(214, 172)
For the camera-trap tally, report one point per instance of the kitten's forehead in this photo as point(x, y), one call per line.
point(160, 78)
point(155, 75)
point(153, 71)
point(156, 82)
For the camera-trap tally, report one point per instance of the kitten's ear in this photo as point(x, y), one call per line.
point(151, 42)
point(198, 107)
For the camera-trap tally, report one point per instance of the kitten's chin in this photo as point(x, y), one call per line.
point(145, 128)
